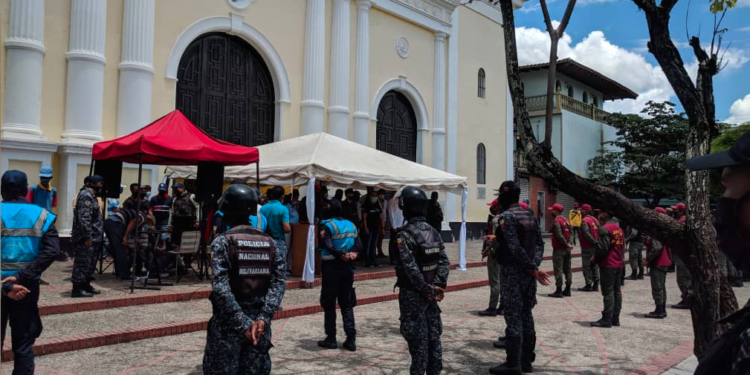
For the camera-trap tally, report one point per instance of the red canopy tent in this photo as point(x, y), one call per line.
point(170, 140)
point(173, 140)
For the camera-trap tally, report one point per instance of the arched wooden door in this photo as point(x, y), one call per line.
point(397, 126)
point(225, 88)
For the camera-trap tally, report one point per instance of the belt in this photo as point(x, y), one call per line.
point(430, 268)
point(327, 257)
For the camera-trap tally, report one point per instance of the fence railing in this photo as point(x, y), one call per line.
point(539, 103)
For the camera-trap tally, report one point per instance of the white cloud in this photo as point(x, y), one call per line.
point(588, 2)
point(739, 112)
point(746, 28)
point(743, 4)
point(732, 60)
point(595, 51)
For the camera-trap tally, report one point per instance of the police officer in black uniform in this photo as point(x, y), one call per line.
point(339, 246)
point(519, 250)
point(422, 271)
point(247, 288)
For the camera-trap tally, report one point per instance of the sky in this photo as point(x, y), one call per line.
point(610, 36)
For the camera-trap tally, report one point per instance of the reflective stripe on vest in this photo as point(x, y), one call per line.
point(23, 225)
point(344, 234)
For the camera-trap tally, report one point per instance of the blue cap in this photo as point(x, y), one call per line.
point(45, 171)
point(178, 185)
point(162, 187)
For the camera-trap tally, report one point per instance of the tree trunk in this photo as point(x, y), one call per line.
point(551, 90)
point(695, 242)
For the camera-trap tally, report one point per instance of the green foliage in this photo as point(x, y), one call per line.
point(721, 5)
point(648, 154)
point(728, 137)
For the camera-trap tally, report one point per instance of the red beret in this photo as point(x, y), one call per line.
point(586, 207)
point(661, 210)
point(556, 207)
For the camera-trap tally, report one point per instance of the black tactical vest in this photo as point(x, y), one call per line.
point(526, 230)
point(183, 206)
point(251, 253)
point(426, 253)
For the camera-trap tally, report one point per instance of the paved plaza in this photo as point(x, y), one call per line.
point(566, 343)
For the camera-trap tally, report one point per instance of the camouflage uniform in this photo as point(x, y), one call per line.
point(494, 270)
point(88, 225)
point(590, 270)
point(420, 318)
point(561, 256)
point(520, 250)
point(635, 249)
point(228, 351)
point(658, 273)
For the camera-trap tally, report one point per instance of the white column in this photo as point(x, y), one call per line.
point(85, 84)
point(314, 70)
point(23, 72)
point(438, 128)
point(136, 67)
point(451, 152)
point(338, 99)
point(362, 78)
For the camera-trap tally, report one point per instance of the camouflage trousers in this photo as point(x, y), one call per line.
point(519, 298)
point(636, 256)
point(684, 280)
point(590, 270)
point(338, 280)
point(658, 285)
point(229, 352)
point(84, 263)
point(421, 327)
point(561, 262)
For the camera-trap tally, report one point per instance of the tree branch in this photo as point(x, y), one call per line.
point(566, 18)
point(648, 6)
point(667, 5)
point(547, 20)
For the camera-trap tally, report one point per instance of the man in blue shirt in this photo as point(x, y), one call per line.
point(43, 195)
point(278, 219)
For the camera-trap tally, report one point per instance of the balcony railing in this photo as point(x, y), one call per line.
point(539, 103)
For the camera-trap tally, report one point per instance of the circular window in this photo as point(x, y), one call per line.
point(240, 4)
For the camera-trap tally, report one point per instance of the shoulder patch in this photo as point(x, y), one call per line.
point(322, 233)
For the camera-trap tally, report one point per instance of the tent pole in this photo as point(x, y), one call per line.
point(91, 168)
point(257, 174)
point(137, 227)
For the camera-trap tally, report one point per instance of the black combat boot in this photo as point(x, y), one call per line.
point(616, 319)
point(328, 343)
point(500, 343)
point(556, 294)
point(511, 365)
point(682, 305)
point(604, 322)
point(595, 287)
point(87, 287)
point(80, 292)
point(664, 310)
point(488, 312)
point(633, 275)
point(527, 353)
point(501, 310)
point(640, 274)
point(350, 344)
point(586, 288)
point(566, 292)
point(656, 314)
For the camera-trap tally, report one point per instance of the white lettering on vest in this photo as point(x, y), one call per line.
point(433, 250)
point(249, 271)
point(244, 243)
point(254, 256)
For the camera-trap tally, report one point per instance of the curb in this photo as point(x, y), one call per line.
point(119, 336)
point(67, 307)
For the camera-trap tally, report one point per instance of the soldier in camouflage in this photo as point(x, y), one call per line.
point(519, 251)
point(86, 236)
point(422, 276)
point(247, 288)
point(589, 237)
point(635, 249)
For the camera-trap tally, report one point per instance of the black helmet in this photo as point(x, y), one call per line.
point(239, 201)
point(508, 193)
point(413, 201)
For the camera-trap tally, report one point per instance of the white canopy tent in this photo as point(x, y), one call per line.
point(323, 157)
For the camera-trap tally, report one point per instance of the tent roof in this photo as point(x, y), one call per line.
point(173, 140)
point(335, 160)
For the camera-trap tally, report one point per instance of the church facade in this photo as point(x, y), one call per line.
point(421, 79)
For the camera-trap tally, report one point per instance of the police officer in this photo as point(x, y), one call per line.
point(561, 251)
point(339, 247)
point(608, 256)
point(728, 354)
point(86, 236)
point(247, 288)
point(635, 249)
point(494, 270)
point(422, 275)
point(29, 246)
point(519, 250)
point(589, 238)
point(659, 258)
